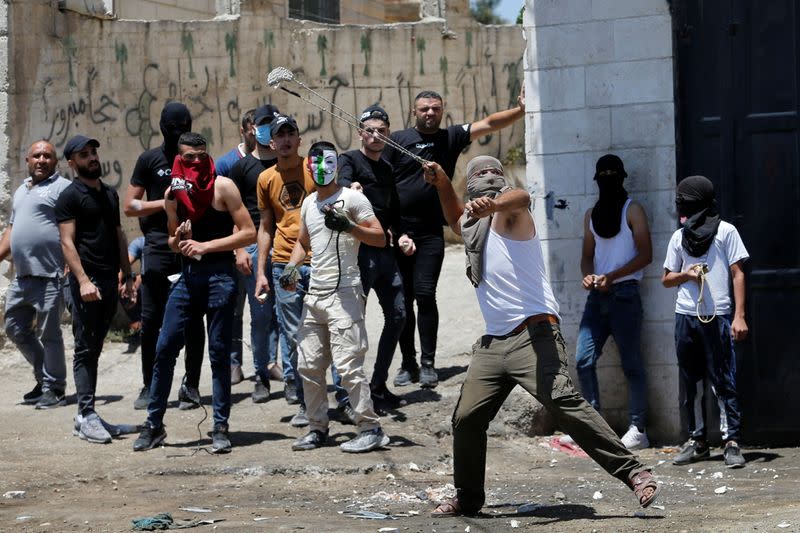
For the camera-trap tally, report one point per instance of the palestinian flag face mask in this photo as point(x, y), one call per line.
point(323, 167)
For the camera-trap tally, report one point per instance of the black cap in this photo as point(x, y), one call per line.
point(374, 111)
point(265, 114)
point(610, 164)
point(76, 144)
point(281, 121)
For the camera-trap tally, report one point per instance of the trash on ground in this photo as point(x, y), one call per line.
point(260, 518)
point(14, 494)
point(559, 496)
point(659, 507)
point(388, 530)
point(597, 495)
point(514, 523)
point(440, 493)
point(716, 475)
point(721, 490)
point(394, 496)
point(195, 509)
point(369, 515)
point(527, 508)
point(413, 467)
point(165, 521)
point(783, 525)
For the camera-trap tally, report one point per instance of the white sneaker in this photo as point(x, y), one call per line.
point(634, 439)
point(567, 440)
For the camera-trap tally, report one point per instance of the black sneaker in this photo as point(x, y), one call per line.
point(143, 400)
point(428, 378)
point(382, 396)
point(220, 443)
point(346, 414)
point(149, 438)
point(406, 377)
point(188, 397)
point(30, 398)
point(51, 398)
point(260, 391)
point(733, 455)
point(134, 340)
point(290, 392)
point(312, 440)
point(690, 452)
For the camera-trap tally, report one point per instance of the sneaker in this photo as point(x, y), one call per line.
point(260, 391)
point(346, 414)
point(428, 378)
point(310, 441)
point(690, 452)
point(567, 440)
point(406, 377)
point(300, 420)
point(30, 398)
point(51, 398)
point(143, 400)
point(220, 443)
point(188, 397)
point(634, 439)
point(149, 438)
point(237, 376)
point(134, 340)
point(115, 430)
point(733, 455)
point(290, 392)
point(366, 441)
point(92, 430)
point(382, 396)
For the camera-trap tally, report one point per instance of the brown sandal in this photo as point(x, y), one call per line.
point(644, 487)
point(449, 507)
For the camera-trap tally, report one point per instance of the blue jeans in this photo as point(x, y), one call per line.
point(289, 305)
point(379, 271)
point(203, 289)
point(617, 312)
point(263, 321)
point(705, 351)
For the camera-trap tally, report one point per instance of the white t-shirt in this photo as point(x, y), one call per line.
point(726, 250)
point(325, 266)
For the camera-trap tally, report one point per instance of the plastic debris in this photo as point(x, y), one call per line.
point(721, 490)
point(260, 518)
point(659, 507)
point(514, 523)
point(14, 494)
point(466, 529)
point(597, 495)
point(716, 475)
point(24, 517)
point(784, 525)
point(388, 530)
point(195, 509)
point(369, 515)
point(413, 467)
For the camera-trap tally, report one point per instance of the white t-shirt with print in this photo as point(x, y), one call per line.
point(325, 266)
point(726, 250)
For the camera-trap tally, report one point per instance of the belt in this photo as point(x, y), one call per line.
point(531, 321)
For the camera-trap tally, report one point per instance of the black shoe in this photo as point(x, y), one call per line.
point(382, 396)
point(690, 452)
point(30, 398)
point(290, 392)
point(406, 377)
point(143, 400)
point(188, 397)
point(346, 414)
point(260, 391)
point(733, 455)
point(313, 439)
point(51, 398)
point(149, 438)
point(134, 340)
point(428, 378)
point(220, 443)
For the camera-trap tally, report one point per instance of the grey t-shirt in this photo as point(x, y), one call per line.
point(35, 243)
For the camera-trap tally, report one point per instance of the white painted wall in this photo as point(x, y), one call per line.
point(599, 79)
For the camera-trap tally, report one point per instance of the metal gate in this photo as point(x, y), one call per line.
point(738, 92)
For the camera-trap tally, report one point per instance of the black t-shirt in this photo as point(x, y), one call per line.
point(152, 172)
point(378, 183)
point(419, 201)
point(96, 216)
point(245, 173)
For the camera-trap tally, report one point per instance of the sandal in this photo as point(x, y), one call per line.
point(449, 507)
point(644, 487)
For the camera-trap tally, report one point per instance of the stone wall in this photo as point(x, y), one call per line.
point(599, 78)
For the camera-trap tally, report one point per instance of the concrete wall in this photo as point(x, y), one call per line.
point(599, 79)
point(73, 74)
point(165, 9)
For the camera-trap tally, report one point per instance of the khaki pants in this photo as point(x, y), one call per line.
point(332, 327)
point(535, 359)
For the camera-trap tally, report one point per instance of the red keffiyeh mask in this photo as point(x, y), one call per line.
point(193, 186)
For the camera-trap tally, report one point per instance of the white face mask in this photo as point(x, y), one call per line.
point(323, 167)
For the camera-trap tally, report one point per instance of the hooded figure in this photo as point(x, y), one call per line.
point(175, 121)
point(484, 178)
point(695, 201)
point(607, 212)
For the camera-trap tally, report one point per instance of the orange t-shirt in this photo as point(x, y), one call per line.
point(283, 189)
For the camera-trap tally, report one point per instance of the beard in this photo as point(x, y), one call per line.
point(90, 172)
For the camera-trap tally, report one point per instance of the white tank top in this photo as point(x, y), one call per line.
point(514, 284)
point(610, 254)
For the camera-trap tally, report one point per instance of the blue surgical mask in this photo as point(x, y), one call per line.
point(263, 134)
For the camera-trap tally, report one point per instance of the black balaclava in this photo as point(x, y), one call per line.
point(695, 201)
point(607, 212)
point(175, 121)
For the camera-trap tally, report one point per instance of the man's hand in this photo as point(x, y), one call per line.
point(288, 280)
point(336, 219)
point(588, 282)
point(262, 288)
point(693, 272)
point(480, 207)
point(521, 98)
point(602, 283)
point(184, 230)
point(356, 186)
point(128, 292)
point(89, 292)
point(433, 173)
point(739, 329)
point(406, 245)
point(244, 263)
point(191, 248)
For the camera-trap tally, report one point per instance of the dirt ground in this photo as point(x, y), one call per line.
point(71, 485)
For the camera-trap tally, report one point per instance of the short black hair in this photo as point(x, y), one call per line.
point(248, 118)
point(318, 147)
point(190, 138)
point(429, 94)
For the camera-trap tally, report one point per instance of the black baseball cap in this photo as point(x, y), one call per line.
point(610, 164)
point(76, 144)
point(281, 121)
point(265, 114)
point(374, 111)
